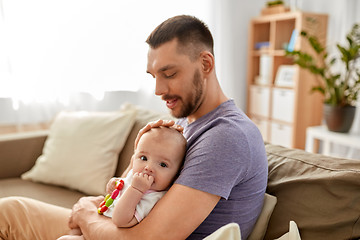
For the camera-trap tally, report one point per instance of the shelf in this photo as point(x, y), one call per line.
point(261, 52)
point(300, 110)
point(262, 85)
point(279, 52)
point(278, 17)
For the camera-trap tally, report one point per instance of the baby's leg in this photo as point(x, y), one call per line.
point(72, 237)
point(74, 234)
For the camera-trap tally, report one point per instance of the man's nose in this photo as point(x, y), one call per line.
point(161, 87)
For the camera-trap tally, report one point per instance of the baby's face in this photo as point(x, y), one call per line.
point(158, 157)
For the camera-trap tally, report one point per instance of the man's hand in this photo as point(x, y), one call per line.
point(85, 204)
point(155, 124)
point(142, 182)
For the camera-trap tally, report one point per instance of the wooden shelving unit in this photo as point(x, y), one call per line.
point(282, 113)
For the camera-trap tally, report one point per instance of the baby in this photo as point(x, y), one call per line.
point(156, 162)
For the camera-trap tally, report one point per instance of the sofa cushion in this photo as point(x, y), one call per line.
point(321, 194)
point(261, 224)
point(82, 148)
point(59, 196)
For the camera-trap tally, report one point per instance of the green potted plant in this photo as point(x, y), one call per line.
point(274, 7)
point(340, 89)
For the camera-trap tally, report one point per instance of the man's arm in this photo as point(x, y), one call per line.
point(175, 216)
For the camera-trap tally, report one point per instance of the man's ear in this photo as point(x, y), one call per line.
point(207, 62)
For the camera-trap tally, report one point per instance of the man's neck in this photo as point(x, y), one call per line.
point(213, 98)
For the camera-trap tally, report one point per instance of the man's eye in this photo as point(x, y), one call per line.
point(143, 158)
point(171, 75)
point(163, 164)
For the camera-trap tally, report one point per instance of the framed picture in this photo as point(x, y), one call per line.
point(285, 76)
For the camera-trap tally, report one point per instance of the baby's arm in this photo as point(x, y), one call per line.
point(124, 211)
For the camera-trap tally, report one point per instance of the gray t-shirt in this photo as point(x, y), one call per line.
point(226, 157)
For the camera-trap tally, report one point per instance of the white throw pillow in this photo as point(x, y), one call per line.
point(81, 151)
point(293, 233)
point(230, 231)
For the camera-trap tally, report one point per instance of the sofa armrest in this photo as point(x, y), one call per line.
point(19, 151)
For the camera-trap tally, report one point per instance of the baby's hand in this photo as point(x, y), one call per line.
point(142, 182)
point(111, 185)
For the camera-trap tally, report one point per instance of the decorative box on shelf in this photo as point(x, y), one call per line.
point(262, 45)
point(285, 76)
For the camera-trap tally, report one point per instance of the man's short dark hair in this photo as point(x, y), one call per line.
point(192, 34)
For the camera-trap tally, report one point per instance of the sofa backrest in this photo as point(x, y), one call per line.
point(19, 151)
point(321, 194)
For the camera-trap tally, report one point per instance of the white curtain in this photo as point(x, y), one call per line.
point(74, 54)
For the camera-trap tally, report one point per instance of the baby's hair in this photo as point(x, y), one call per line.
point(171, 132)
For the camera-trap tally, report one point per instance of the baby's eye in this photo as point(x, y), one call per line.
point(144, 158)
point(163, 164)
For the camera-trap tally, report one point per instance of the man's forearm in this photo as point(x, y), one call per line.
point(93, 225)
point(97, 227)
point(163, 222)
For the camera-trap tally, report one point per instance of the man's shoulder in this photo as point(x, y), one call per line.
point(231, 129)
point(224, 132)
point(230, 123)
point(226, 123)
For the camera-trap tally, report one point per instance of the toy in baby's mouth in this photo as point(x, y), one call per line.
point(109, 199)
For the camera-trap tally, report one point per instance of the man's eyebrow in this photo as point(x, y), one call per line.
point(164, 68)
point(167, 67)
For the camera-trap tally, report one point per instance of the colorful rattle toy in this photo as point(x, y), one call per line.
point(109, 199)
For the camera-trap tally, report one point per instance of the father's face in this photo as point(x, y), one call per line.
point(178, 79)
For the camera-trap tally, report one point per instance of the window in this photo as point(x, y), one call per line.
point(50, 49)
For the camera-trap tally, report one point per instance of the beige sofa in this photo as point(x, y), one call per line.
point(321, 194)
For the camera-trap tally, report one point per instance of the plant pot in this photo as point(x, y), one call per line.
point(339, 118)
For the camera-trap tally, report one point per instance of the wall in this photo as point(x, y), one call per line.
point(231, 45)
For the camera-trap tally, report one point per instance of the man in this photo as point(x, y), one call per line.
point(225, 171)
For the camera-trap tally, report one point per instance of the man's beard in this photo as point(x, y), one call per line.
point(193, 97)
